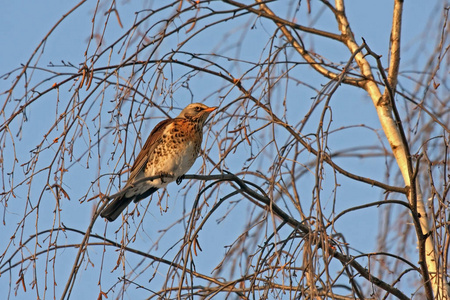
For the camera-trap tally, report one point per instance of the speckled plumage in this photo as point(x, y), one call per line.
point(171, 149)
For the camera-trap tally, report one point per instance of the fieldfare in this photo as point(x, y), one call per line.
point(169, 152)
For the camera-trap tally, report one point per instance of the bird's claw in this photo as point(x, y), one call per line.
point(162, 175)
point(180, 179)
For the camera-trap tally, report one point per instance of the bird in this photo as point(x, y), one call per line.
point(169, 152)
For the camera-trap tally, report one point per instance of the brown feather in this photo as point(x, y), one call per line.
point(187, 126)
point(149, 146)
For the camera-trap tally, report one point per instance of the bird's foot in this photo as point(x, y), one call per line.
point(167, 175)
point(180, 179)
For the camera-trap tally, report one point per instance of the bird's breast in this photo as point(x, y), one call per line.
point(175, 151)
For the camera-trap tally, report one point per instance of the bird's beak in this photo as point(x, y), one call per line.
point(210, 109)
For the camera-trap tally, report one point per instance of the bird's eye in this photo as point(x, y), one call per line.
point(198, 108)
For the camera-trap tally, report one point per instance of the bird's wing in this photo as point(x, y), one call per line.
point(149, 146)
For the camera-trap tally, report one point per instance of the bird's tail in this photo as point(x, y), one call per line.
point(115, 208)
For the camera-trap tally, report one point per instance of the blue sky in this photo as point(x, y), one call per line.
point(23, 24)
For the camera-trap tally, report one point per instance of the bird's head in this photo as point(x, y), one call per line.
point(196, 112)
